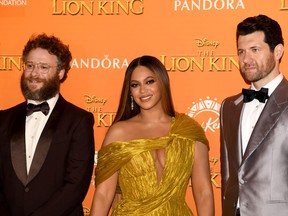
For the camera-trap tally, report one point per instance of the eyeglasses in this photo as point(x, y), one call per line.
point(43, 68)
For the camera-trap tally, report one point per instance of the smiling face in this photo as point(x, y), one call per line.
point(144, 88)
point(258, 64)
point(41, 84)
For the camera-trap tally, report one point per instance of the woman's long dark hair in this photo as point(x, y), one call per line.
point(124, 111)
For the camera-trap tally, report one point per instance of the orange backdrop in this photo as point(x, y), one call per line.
point(195, 39)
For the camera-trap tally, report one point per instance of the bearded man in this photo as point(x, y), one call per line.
point(46, 143)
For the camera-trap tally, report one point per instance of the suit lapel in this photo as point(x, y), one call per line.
point(43, 147)
point(18, 145)
point(276, 104)
point(236, 128)
point(45, 140)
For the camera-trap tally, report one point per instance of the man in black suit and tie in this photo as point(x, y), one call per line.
point(254, 126)
point(46, 143)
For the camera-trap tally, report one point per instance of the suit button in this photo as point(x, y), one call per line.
point(26, 189)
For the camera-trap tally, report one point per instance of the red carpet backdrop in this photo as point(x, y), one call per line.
point(195, 39)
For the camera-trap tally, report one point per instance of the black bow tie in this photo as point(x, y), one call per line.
point(250, 95)
point(43, 107)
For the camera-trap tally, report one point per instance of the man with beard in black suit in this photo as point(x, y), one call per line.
point(46, 143)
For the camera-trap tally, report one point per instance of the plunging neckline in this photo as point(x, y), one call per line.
point(159, 174)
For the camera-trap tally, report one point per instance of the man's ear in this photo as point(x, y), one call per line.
point(278, 51)
point(61, 74)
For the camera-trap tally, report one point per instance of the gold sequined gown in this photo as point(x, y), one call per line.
point(142, 193)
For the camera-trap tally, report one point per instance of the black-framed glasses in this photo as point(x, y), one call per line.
point(43, 68)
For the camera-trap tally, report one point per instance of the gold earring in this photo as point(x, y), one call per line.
point(132, 103)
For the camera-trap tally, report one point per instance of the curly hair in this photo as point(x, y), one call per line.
point(54, 46)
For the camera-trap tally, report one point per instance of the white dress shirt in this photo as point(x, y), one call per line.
point(252, 111)
point(35, 124)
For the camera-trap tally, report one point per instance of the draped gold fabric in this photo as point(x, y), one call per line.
point(142, 193)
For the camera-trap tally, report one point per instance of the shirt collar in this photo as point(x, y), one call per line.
point(52, 102)
point(272, 85)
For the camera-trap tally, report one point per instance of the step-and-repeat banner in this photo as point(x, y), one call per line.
point(195, 39)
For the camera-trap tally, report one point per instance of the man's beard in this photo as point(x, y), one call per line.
point(262, 71)
point(49, 89)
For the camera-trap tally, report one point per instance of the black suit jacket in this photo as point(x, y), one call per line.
point(260, 177)
point(61, 169)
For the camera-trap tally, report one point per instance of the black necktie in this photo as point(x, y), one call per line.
point(250, 95)
point(43, 107)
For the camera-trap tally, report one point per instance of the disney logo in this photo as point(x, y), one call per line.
point(205, 42)
point(93, 99)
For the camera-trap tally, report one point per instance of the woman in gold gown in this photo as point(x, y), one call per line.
point(151, 151)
